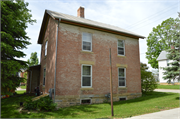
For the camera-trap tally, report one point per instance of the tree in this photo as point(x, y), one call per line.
point(25, 77)
point(160, 39)
point(33, 59)
point(173, 70)
point(148, 81)
point(14, 20)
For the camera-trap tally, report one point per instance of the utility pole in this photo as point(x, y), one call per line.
point(111, 87)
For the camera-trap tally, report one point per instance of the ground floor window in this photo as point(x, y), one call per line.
point(44, 76)
point(86, 76)
point(122, 77)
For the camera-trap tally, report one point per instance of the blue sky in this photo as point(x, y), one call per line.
point(138, 16)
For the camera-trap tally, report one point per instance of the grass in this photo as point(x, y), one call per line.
point(168, 87)
point(148, 103)
point(23, 87)
point(20, 91)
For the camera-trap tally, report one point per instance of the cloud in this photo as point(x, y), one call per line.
point(138, 16)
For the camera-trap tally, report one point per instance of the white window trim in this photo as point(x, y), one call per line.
point(86, 99)
point(44, 81)
point(45, 51)
point(118, 46)
point(87, 41)
point(82, 75)
point(124, 76)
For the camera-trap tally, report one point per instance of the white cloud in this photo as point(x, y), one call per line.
point(138, 16)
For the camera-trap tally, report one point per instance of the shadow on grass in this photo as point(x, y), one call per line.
point(177, 98)
point(145, 97)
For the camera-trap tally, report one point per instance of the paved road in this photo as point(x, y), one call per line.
point(167, 90)
point(167, 114)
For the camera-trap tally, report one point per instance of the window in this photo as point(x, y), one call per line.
point(122, 77)
point(44, 76)
point(86, 42)
point(121, 48)
point(86, 101)
point(167, 62)
point(122, 98)
point(46, 48)
point(86, 76)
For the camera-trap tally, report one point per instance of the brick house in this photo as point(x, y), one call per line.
point(75, 59)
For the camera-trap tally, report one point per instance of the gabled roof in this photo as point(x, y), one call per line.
point(83, 22)
point(162, 56)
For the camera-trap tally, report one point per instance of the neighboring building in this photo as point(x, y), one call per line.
point(80, 69)
point(162, 63)
point(21, 74)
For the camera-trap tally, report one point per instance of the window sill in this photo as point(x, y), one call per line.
point(122, 87)
point(88, 52)
point(87, 88)
point(121, 56)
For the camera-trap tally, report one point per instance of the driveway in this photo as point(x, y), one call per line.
point(167, 90)
point(167, 114)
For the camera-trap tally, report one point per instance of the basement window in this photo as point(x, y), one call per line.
point(86, 101)
point(123, 98)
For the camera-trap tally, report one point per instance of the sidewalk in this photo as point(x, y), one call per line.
point(167, 114)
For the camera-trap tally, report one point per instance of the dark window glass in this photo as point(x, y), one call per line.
point(86, 81)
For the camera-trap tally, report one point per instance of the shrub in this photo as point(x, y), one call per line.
point(44, 103)
point(148, 81)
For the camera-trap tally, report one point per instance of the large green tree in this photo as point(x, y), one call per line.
point(172, 72)
point(33, 59)
point(160, 39)
point(15, 17)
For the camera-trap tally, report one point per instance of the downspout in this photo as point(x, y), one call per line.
point(56, 59)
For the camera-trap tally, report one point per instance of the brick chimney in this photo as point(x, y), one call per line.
point(80, 12)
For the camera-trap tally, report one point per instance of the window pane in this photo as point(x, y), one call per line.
point(87, 37)
point(120, 43)
point(121, 79)
point(86, 70)
point(86, 81)
point(86, 45)
point(121, 83)
point(121, 51)
point(121, 72)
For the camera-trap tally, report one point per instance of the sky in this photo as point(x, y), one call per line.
point(138, 16)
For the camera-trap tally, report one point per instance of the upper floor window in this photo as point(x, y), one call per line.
point(86, 76)
point(122, 76)
point(121, 49)
point(46, 48)
point(86, 42)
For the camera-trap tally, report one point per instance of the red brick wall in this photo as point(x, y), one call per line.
point(69, 54)
point(49, 60)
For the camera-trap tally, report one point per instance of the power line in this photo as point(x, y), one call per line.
point(152, 16)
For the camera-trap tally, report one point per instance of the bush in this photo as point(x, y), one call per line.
point(148, 82)
point(44, 103)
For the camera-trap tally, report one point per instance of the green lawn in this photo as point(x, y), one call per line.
point(152, 102)
point(168, 87)
point(23, 87)
point(20, 91)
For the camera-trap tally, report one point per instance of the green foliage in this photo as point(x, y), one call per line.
point(148, 81)
point(44, 103)
point(173, 70)
point(14, 19)
point(160, 39)
point(33, 59)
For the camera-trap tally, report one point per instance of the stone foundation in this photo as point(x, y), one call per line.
point(70, 100)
